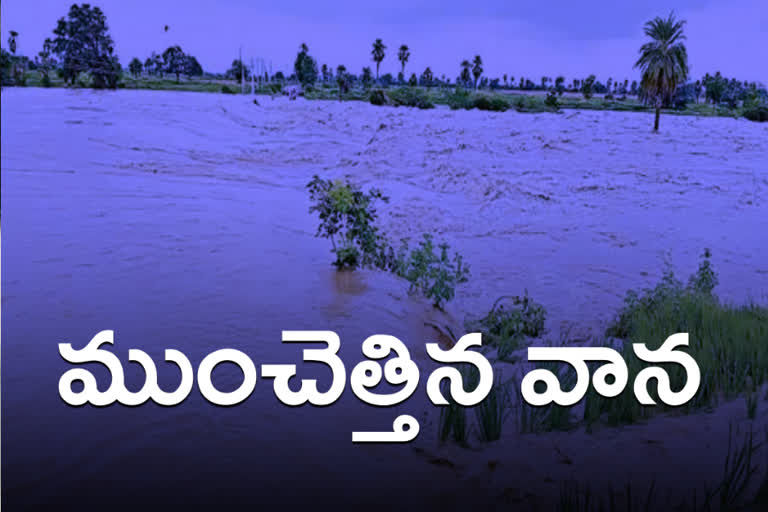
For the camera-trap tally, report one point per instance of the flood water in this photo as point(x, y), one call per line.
point(130, 213)
point(191, 263)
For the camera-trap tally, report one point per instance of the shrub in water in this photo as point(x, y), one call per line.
point(434, 275)
point(347, 218)
point(506, 326)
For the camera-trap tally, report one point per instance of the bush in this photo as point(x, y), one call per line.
point(758, 113)
point(491, 103)
point(410, 97)
point(228, 90)
point(552, 101)
point(507, 327)
point(728, 343)
point(347, 218)
point(459, 99)
point(379, 97)
point(435, 276)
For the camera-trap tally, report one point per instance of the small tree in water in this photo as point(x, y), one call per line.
point(663, 62)
point(347, 218)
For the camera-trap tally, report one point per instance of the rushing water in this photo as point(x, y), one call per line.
point(132, 213)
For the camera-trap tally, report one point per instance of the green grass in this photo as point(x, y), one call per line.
point(729, 344)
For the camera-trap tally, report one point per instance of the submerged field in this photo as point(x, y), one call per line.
point(189, 213)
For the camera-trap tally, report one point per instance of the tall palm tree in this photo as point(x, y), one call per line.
point(378, 54)
point(12, 41)
point(403, 54)
point(663, 62)
point(466, 72)
point(477, 68)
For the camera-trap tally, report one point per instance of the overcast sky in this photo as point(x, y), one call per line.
point(530, 38)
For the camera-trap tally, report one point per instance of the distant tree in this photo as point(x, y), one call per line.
point(483, 83)
point(279, 77)
point(45, 61)
point(466, 72)
point(367, 77)
point(511, 81)
point(522, 82)
point(12, 38)
point(135, 67)
point(342, 79)
point(378, 54)
point(307, 74)
point(505, 80)
point(663, 62)
point(633, 88)
point(715, 88)
point(403, 54)
point(413, 81)
point(560, 85)
point(324, 72)
point(544, 82)
point(193, 66)
point(400, 78)
point(587, 86)
point(83, 44)
point(175, 61)
point(303, 52)
point(427, 78)
point(697, 89)
point(237, 71)
point(494, 84)
point(477, 68)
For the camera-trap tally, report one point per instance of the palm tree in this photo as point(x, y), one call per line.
point(477, 68)
point(378, 54)
point(466, 72)
point(12, 41)
point(403, 54)
point(663, 62)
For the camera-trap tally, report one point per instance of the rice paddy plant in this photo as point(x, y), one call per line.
point(509, 322)
point(492, 412)
point(453, 423)
point(729, 344)
point(547, 418)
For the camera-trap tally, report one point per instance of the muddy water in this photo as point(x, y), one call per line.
point(193, 263)
point(180, 221)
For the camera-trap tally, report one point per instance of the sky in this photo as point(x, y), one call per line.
point(538, 38)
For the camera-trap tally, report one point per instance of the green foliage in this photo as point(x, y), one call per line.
point(228, 90)
point(347, 218)
point(379, 97)
point(434, 275)
point(492, 103)
point(84, 45)
point(549, 418)
point(669, 291)
point(507, 326)
point(758, 113)
point(410, 97)
point(587, 86)
point(551, 100)
point(728, 343)
point(492, 412)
